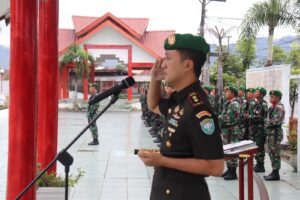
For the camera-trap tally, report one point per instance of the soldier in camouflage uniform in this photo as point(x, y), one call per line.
point(242, 100)
point(257, 132)
point(230, 128)
point(91, 113)
point(210, 97)
point(273, 123)
point(247, 109)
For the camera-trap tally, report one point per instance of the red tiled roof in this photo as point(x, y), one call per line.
point(139, 25)
point(80, 22)
point(65, 38)
point(155, 40)
point(152, 40)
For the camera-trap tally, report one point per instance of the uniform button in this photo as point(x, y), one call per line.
point(168, 191)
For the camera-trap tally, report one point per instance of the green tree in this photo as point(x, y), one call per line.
point(279, 56)
point(246, 48)
point(271, 13)
point(233, 70)
point(82, 61)
point(294, 60)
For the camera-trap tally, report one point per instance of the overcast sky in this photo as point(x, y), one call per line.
point(180, 15)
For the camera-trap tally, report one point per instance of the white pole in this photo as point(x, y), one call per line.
point(298, 129)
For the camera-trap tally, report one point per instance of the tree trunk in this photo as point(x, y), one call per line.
point(220, 72)
point(270, 48)
point(75, 94)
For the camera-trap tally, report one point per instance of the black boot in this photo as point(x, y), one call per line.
point(157, 140)
point(231, 175)
point(274, 176)
point(225, 173)
point(259, 168)
point(94, 142)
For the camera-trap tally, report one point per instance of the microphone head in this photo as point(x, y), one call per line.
point(128, 82)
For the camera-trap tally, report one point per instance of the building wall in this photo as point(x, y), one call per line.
point(272, 78)
point(108, 36)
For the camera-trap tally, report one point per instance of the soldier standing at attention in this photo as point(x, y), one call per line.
point(258, 134)
point(230, 128)
point(242, 100)
point(274, 121)
point(248, 111)
point(91, 113)
point(191, 146)
point(207, 90)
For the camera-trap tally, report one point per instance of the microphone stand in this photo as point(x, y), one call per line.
point(64, 157)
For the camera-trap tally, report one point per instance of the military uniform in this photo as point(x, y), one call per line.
point(242, 101)
point(273, 123)
point(257, 132)
point(230, 131)
point(91, 113)
point(247, 108)
point(192, 130)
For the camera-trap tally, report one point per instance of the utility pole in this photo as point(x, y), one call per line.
point(205, 72)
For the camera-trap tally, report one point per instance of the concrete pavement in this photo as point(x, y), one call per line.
point(112, 172)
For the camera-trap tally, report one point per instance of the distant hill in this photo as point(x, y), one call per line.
point(262, 45)
point(261, 48)
point(4, 57)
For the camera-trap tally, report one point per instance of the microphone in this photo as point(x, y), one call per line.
point(125, 83)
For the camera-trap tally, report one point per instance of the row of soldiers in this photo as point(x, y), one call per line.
point(243, 115)
point(151, 119)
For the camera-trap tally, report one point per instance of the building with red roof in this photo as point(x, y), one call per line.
point(113, 42)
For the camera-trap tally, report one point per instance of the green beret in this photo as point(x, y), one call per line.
point(242, 88)
point(94, 85)
point(186, 42)
point(252, 90)
point(276, 93)
point(233, 89)
point(262, 90)
point(208, 88)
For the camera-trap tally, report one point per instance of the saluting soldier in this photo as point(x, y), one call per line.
point(191, 146)
point(274, 121)
point(91, 113)
point(257, 131)
point(230, 128)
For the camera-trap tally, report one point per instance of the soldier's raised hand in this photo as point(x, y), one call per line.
point(157, 71)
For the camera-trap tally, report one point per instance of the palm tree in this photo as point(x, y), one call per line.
point(272, 13)
point(220, 34)
point(82, 61)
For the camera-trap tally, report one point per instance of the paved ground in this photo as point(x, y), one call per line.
point(112, 172)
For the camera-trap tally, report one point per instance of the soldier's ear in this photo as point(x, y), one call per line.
point(188, 65)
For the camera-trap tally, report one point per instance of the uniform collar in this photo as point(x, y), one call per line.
point(183, 94)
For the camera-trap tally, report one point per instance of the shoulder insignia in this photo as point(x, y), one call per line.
point(194, 99)
point(201, 114)
point(208, 126)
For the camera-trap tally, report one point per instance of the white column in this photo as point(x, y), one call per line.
point(285, 83)
point(298, 133)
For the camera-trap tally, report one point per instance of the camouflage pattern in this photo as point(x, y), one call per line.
point(246, 108)
point(230, 126)
point(273, 123)
point(91, 113)
point(211, 100)
point(242, 101)
point(257, 130)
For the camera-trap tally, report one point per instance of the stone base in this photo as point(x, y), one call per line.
point(289, 157)
point(50, 193)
